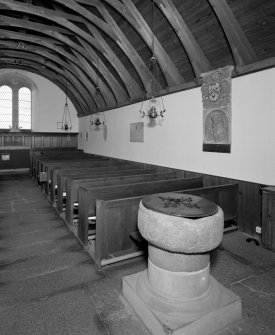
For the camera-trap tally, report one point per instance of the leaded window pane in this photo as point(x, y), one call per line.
point(24, 108)
point(5, 107)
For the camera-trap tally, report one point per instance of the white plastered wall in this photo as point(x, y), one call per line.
point(177, 141)
point(48, 102)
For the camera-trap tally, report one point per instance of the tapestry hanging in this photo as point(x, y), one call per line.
point(216, 98)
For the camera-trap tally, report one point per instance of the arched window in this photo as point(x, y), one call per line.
point(5, 107)
point(15, 106)
point(24, 108)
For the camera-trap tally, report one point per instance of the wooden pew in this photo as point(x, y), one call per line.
point(53, 171)
point(49, 168)
point(37, 154)
point(65, 179)
point(140, 177)
point(225, 196)
point(45, 163)
point(116, 222)
point(88, 197)
point(38, 161)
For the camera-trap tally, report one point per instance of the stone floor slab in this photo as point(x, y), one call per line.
point(66, 313)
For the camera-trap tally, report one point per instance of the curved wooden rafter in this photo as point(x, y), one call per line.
point(85, 84)
point(170, 71)
point(139, 65)
point(132, 86)
point(85, 68)
point(22, 55)
point(59, 18)
point(240, 46)
point(45, 58)
point(19, 36)
point(87, 42)
point(196, 56)
point(50, 75)
point(119, 92)
point(114, 32)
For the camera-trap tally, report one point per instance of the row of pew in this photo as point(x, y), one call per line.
point(98, 197)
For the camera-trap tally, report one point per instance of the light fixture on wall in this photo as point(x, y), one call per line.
point(96, 120)
point(66, 123)
point(155, 106)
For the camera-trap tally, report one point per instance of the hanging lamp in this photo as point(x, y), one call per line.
point(96, 120)
point(154, 107)
point(66, 123)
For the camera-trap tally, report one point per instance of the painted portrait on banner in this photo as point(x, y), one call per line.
point(216, 98)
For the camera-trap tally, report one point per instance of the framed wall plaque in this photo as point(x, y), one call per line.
point(216, 98)
point(137, 132)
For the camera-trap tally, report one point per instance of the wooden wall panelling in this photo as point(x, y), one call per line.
point(56, 141)
point(249, 207)
point(27, 142)
point(38, 141)
point(47, 142)
point(268, 218)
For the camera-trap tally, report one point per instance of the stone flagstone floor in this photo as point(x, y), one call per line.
point(50, 286)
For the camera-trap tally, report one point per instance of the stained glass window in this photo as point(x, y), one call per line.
point(5, 107)
point(24, 108)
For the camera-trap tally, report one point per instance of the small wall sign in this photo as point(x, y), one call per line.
point(5, 157)
point(137, 132)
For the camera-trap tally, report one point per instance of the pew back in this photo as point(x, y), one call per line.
point(116, 221)
point(70, 184)
point(97, 165)
point(88, 196)
point(64, 176)
point(140, 177)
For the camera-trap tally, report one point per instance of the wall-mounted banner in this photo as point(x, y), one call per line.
point(216, 98)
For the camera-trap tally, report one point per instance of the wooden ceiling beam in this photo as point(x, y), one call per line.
point(130, 84)
point(89, 2)
point(32, 53)
point(73, 5)
point(196, 56)
point(119, 92)
point(106, 50)
point(46, 30)
point(92, 22)
point(54, 16)
point(79, 88)
point(138, 63)
point(37, 40)
point(19, 51)
point(240, 46)
point(105, 91)
point(50, 75)
point(169, 69)
point(114, 32)
point(25, 24)
point(35, 10)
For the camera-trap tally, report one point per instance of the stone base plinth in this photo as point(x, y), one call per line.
point(204, 315)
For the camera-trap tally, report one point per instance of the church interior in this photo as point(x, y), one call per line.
point(137, 184)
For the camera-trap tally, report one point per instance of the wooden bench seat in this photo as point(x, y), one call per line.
point(66, 181)
point(140, 177)
point(43, 165)
point(226, 196)
point(96, 165)
point(116, 235)
point(37, 154)
point(89, 196)
point(39, 161)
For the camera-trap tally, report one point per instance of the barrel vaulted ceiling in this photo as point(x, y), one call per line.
point(85, 44)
